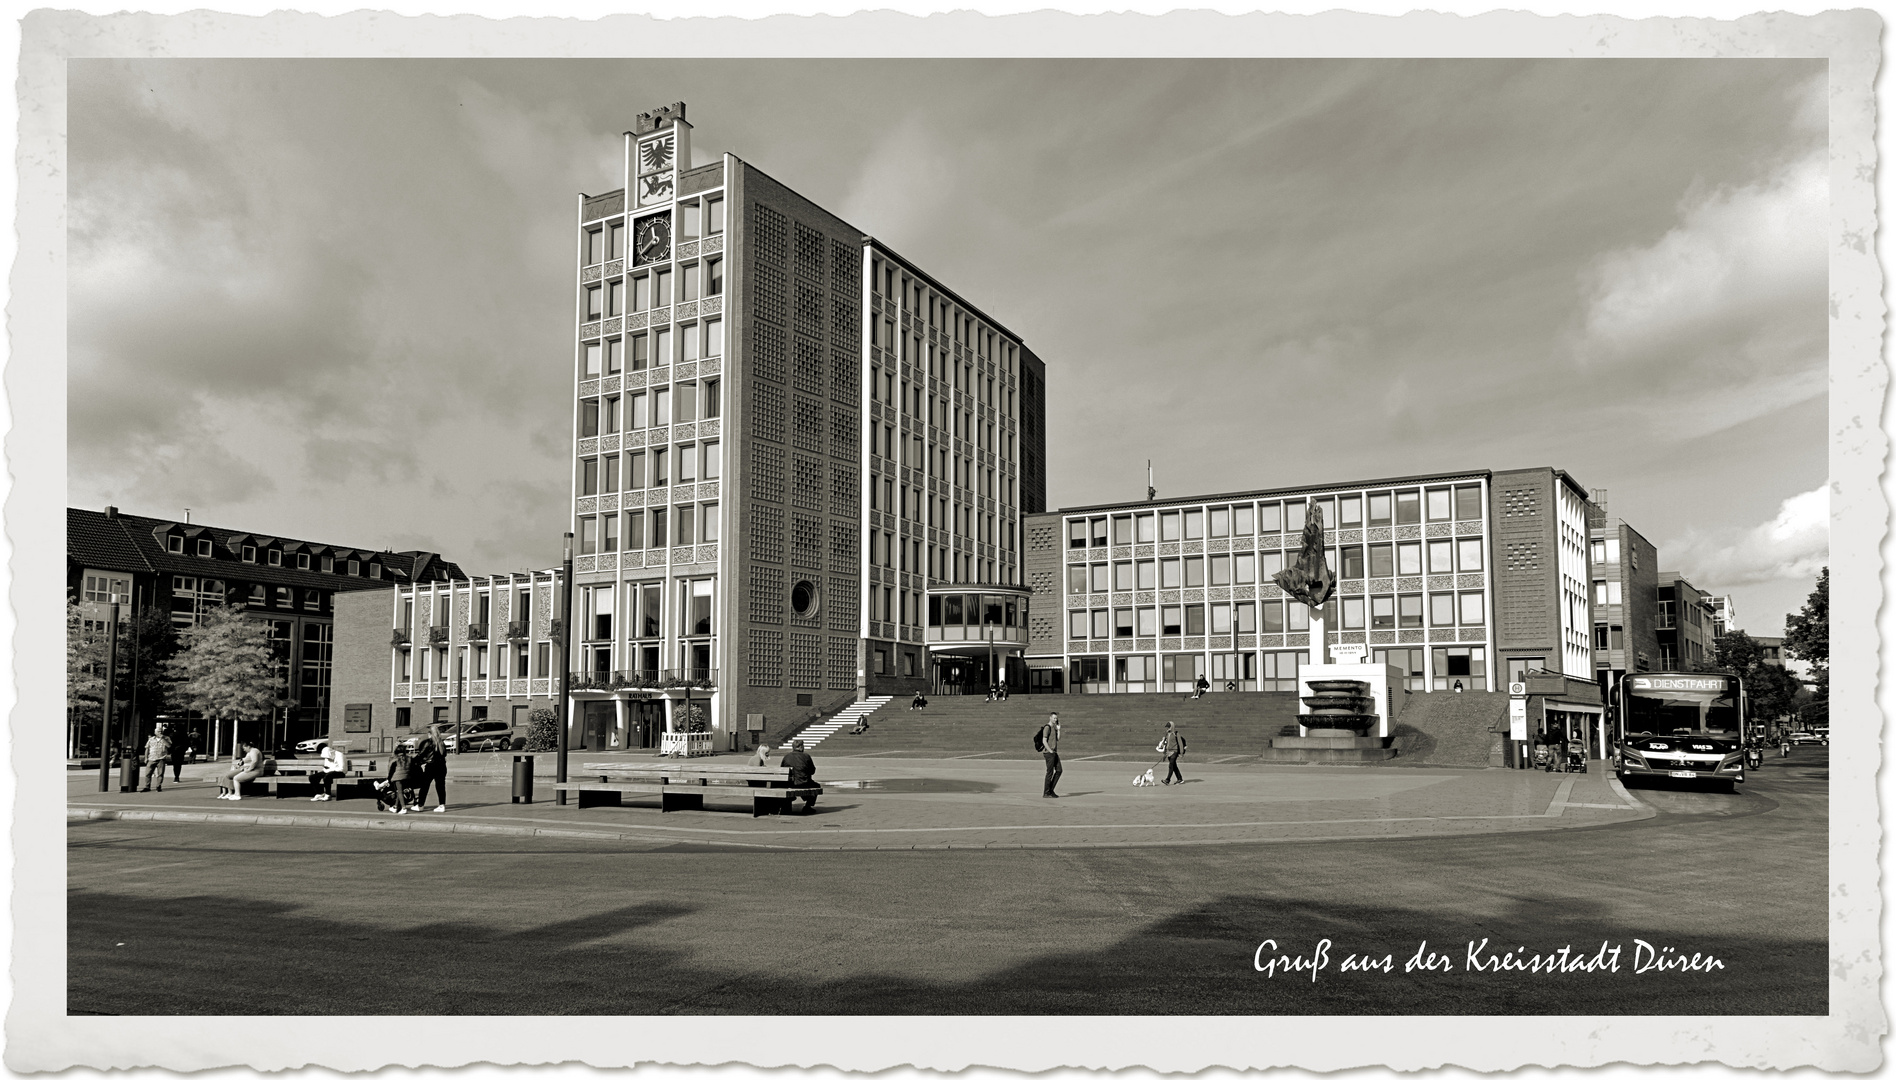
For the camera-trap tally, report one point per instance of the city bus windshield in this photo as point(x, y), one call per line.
point(1680, 712)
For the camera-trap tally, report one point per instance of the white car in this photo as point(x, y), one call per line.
point(312, 746)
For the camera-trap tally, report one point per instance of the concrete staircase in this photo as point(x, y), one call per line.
point(1216, 725)
point(1449, 728)
point(842, 721)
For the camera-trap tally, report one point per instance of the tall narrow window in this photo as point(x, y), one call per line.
point(713, 216)
point(714, 277)
point(617, 250)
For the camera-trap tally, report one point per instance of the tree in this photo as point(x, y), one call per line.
point(1769, 688)
point(85, 662)
point(543, 730)
point(1807, 637)
point(226, 668)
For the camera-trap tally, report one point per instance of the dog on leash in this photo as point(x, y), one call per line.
point(1144, 779)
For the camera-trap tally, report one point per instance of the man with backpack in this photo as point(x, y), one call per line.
point(1172, 746)
point(1047, 741)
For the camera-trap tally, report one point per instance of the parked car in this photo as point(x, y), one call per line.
point(312, 746)
point(1809, 736)
point(482, 735)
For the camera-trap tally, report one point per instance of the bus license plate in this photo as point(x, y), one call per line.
point(1683, 774)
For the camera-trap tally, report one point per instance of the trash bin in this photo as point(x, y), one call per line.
point(128, 774)
point(523, 778)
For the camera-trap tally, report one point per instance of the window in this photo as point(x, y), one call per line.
point(642, 293)
point(1382, 560)
point(708, 517)
point(662, 347)
point(1468, 502)
point(1441, 556)
point(1269, 564)
point(1270, 518)
point(713, 462)
point(1468, 553)
point(1169, 526)
point(1382, 613)
point(1408, 507)
point(1076, 578)
point(589, 418)
point(1220, 521)
point(1409, 611)
point(1122, 577)
point(1349, 512)
point(108, 590)
point(1293, 517)
point(1272, 612)
point(1221, 570)
point(609, 534)
point(1122, 622)
point(713, 216)
point(1122, 530)
point(1194, 524)
point(690, 220)
point(714, 277)
point(589, 476)
point(1472, 609)
point(682, 537)
point(1194, 619)
point(1099, 532)
point(595, 246)
point(1441, 609)
point(1147, 528)
point(1148, 622)
point(616, 249)
point(1352, 609)
point(1097, 574)
point(615, 298)
point(1171, 574)
point(595, 303)
point(1438, 500)
point(588, 535)
point(273, 557)
point(1076, 623)
point(302, 560)
point(1351, 558)
point(662, 288)
point(1195, 572)
point(1408, 559)
point(615, 356)
point(1171, 620)
point(1076, 534)
point(1379, 508)
point(174, 544)
point(249, 553)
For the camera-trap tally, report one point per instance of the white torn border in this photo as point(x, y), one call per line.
point(41, 1037)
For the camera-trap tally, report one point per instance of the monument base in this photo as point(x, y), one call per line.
point(1383, 682)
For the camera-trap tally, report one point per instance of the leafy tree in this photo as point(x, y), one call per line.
point(85, 663)
point(226, 668)
point(1807, 637)
point(1737, 652)
point(1770, 689)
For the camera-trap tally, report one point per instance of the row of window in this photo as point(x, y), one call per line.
point(657, 467)
point(989, 610)
point(660, 407)
point(677, 526)
point(661, 346)
point(193, 597)
point(1243, 568)
point(1461, 503)
point(515, 660)
point(301, 560)
point(1278, 616)
point(650, 291)
point(695, 218)
point(1463, 666)
point(644, 608)
point(888, 281)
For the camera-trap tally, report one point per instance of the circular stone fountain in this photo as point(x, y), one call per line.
point(1339, 708)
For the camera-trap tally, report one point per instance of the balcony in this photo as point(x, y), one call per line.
point(645, 679)
point(399, 637)
point(477, 631)
point(518, 629)
point(438, 635)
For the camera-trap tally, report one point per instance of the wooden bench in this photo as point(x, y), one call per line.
point(302, 784)
point(681, 786)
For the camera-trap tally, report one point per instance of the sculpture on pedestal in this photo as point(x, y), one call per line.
point(1310, 581)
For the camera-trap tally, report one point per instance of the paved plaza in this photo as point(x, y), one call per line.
point(873, 803)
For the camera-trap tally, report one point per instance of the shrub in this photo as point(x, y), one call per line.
point(543, 731)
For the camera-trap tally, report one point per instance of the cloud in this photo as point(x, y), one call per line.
point(1793, 546)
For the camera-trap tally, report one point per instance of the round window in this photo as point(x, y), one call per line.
point(804, 599)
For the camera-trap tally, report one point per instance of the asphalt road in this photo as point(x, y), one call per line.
point(215, 919)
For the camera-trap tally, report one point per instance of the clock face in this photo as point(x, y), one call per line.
point(652, 240)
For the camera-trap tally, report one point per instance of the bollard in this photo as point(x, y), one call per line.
point(128, 774)
point(523, 778)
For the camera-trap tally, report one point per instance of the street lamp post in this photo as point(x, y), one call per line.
point(105, 717)
point(566, 671)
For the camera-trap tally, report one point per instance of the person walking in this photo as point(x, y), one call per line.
point(431, 767)
point(802, 775)
point(157, 756)
point(335, 764)
point(1172, 746)
point(1050, 751)
point(246, 765)
point(180, 747)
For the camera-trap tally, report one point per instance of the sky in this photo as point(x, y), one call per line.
point(330, 299)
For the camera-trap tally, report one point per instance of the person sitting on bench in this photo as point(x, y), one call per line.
point(335, 763)
point(802, 775)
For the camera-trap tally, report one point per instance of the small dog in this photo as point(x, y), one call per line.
point(1144, 779)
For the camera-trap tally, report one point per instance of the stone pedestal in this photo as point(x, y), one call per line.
point(1385, 687)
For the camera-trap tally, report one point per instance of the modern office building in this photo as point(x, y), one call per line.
point(1724, 615)
point(1462, 580)
point(453, 650)
point(1686, 636)
point(1625, 587)
point(186, 569)
point(791, 445)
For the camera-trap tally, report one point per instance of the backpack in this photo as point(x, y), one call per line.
point(1040, 739)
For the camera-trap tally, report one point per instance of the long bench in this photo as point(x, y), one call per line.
point(292, 775)
point(683, 786)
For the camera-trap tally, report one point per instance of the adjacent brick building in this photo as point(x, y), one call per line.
point(185, 569)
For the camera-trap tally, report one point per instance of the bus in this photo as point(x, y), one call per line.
point(1681, 726)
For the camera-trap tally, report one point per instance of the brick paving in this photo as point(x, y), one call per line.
point(877, 803)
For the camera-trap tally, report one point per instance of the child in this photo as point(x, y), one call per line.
point(393, 792)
